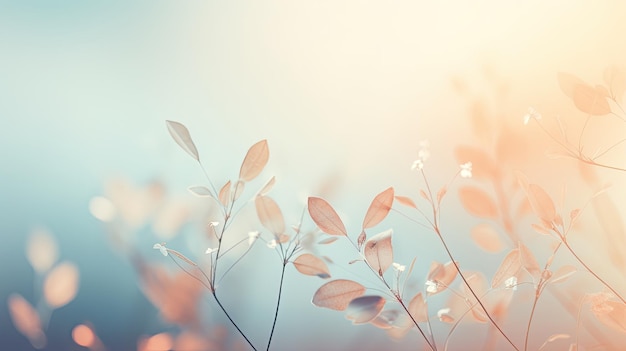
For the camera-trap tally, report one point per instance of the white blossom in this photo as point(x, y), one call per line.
point(210, 250)
point(431, 286)
point(466, 170)
point(161, 247)
point(272, 244)
point(398, 267)
point(214, 224)
point(252, 236)
point(532, 114)
point(511, 283)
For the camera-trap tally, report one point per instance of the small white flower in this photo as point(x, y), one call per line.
point(398, 267)
point(161, 247)
point(466, 170)
point(210, 250)
point(532, 114)
point(511, 283)
point(252, 236)
point(442, 312)
point(272, 244)
point(214, 224)
point(422, 155)
point(431, 286)
point(417, 164)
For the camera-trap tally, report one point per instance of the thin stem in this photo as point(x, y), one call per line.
point(530, 320)
point(580, 308)
point(232, 321)
point(432, 345)
point(280, 291)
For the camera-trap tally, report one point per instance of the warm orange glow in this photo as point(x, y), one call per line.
point(83, 335)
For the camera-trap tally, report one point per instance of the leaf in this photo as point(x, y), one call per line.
point(418, 308)
point(486, 237)
point(255, 161)
point(379, 208)
point(613, 316)
point(310, 265)
point(327, 241)
point(386, 319)
point(270, 215)
point(364, 309)
point(378, 251)
point(41, 250)
point(441, 274)
point(224, 195)
point(509, 267)
point(406, 201)
point(267, 187)
point(337, 294)
point(541, 203)
point(483, 165)
point(568, 83)
point(528, 261)
point(239, 187)
point(26, 320)
point(325, 217)
point(477, 202)
point(563, 273)
point(181, 136)
point(590, 100)
point(361, 240)
point(540, 229)
point(200, 191)
point(61, 285)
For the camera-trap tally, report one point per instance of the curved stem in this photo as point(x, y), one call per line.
point(530, 320)
point(232, 321)
point(430, 344)
point(280, 291)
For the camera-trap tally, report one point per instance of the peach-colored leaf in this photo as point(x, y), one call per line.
point(267, 187)
point(590, 100)
point(378, 251)
point(445, 316)
point(379, 208)
point(613, 315)
point(337, 294)
point(270, 215)
point(325, 217)
point(509, 267)
point(541, 203)
point(405, 201)
point(563, 273)
point(26, 320)
point(418, 308)
point(181, 136)
point(540, 229)
point(477, 202)
point(255, 161)
point(224, 195)
point(553, 338)
point(158, 342)
point(84, 336)
point(310, 265)
point(182, 257)
point(361, 240)
point(568, 83)
point(442, 275)
point(441, 193)
point(528, 261)
point(483, 165)
point(364, 309)
point(61, 285)
point(327, 241)
point(386, 319)
point(487, 238)
point(41, 250)
point(200, 191)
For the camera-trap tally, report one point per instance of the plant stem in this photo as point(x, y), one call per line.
point(530, 320)
point(431, 345)
point(232, 321)
point(280, 291)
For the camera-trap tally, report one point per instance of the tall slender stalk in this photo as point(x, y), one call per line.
point(280, 291)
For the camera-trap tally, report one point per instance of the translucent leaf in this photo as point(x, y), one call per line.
point(563, 273)
point(181, 136)
point(200, 191)
point(441, 193)
point(486, 237)
point(311, 265)
point(418, 308)
point(379, 208)
point(268, 186)
point(568, 83)
point(528, 261)
point(541, 203)
point(386, 319)
point(41, 250)
point(61, 285)
point(442, 275)
point(590, 100)
point(84, 336)
point(378, 251)
point(477, 202)
point(328, 240)
point(255, 161)
point(26, 320)
point(361, 240)
point(337, 294)
point(364, 309)
point(270, 215)
point(406, 201)
point(325, 217)
point(613, 316)
point(238, 189)
point(102, 209)
point(509, 267)
point(483, 165)
point(224, 195)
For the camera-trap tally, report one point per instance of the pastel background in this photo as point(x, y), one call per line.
point(343, 91)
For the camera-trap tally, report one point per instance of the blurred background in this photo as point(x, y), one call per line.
point(344, 92)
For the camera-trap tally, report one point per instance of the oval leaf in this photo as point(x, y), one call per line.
point(541, 203)
point(509, 267)
point(41, 250)
point(270, 215)
point(418, 308)
point(255, 161)
point(364, 309)
point(61, 285)
point(378, 251)
point(267, 187)
point(337, 294)
point(311, 265)
point(590, 100)
point(563, 273)
point(613, 315)
point(181, 136)
point(26, 320)
point(327, 241)
point(239, 187)
point(406, 201)
point(224, 195)
point(200, 191)
point(528, 261)
point(441, 275)
point(325, 217)
point(379, 208)
point(477, 202)
point(486, 237)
